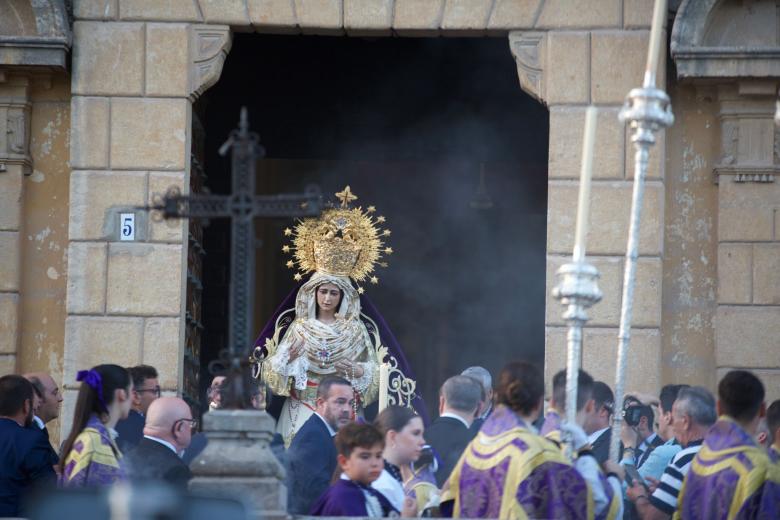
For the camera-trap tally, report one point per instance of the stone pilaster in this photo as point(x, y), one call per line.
point(15, 163)
point(569, 67)
point(133, 83)
point(748, 235)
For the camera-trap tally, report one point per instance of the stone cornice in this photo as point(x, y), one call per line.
point(209, 46)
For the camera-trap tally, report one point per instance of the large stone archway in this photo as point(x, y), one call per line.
point(139, 64)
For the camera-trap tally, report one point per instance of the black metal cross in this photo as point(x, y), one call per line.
point(242, 206)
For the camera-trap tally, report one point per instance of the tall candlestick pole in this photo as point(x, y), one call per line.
point(648, 110)
point(577, 287)
point(654, 49)
point(384, 385)
point(586, 172)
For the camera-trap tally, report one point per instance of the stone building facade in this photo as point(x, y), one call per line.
point(95, 116)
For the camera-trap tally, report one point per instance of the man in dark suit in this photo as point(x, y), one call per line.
point(311, 459)
point(598, 424)
point(167, 434)
point(146, 388)
point(24, 460)
point(450, 433)
point(48, 409)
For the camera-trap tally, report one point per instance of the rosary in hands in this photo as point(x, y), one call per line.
point(349, 369)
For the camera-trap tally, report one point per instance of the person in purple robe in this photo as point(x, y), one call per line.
point(360, 448)
point(90, 456)
point(508, 470)
point(731, 476)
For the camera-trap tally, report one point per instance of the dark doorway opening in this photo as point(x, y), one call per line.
point(436, 134)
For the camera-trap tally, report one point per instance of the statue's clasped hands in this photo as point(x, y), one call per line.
point(349, 369)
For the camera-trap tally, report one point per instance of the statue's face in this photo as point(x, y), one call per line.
point(328, 297)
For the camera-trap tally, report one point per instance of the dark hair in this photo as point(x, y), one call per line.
point(14, 391)
point(773, 419)
point(462, 393)
point(520, 387)
point(394, 418)
point(669, 395)
point(603, 396)
point(357, 435)
point(584, 389)
point(741, 394)
point(139, 374)
point(88, 402)
point(328, 381)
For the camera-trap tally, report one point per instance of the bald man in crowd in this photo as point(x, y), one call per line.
point(167, 433)
point(48, 409)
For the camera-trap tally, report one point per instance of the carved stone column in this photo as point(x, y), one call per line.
point(15, 162)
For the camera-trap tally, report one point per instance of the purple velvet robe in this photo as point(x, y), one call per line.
point(508, 471)
point(346, 498)
point(730, 478)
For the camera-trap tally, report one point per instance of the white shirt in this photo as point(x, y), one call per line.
point(454, 416)
point(330, 430)
point(390, 488)
point(595, 435)
point(39, 422)
point(163, 442)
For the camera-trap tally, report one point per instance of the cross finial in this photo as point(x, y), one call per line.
point(345, 197)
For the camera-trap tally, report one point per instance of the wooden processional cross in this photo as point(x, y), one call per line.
point(242, 207)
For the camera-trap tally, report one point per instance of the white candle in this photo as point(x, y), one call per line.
point(654, 49)
point(586, 172)
point(384, 383)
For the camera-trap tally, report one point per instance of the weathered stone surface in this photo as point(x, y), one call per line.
point(610, 83)
point(148, 133)
point(225, 11)
point(161, 349)
point(9, 260)
point(747, 210)
point(609, 217)
point(599, 355)
point(637, 14)
point(568, 67)
point(272, 13)
point(766, 274)
point(513, 14)
point(144, 279)
point(87, 277)
point(418, 15)
point(95, 340)
point(374, 15)
point(735, 271)
point(108, 58)
point(756, 141)
point(89, 138)
point(161, 10)
point(95, 9)
point(7, 364)
point(10, 200)
point(567, 125)
point(167, 60)
point(747, 336)
point(466, 14)
point(647, 292)
point(596, 13)
point(96, 197)
point(319, 14)
point(9, 322)
point(165, 230)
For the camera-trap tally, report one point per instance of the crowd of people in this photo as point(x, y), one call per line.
point(494, 451)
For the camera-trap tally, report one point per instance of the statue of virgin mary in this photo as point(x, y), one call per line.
point(326, 331)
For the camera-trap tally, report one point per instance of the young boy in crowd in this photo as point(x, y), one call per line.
point(359, 448)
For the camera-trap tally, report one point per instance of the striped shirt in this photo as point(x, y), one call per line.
point(665, 496)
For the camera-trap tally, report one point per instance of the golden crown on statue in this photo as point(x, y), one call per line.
point(343, 241)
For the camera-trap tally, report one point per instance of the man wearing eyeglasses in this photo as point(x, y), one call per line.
point(146, 388)
point(168, 431)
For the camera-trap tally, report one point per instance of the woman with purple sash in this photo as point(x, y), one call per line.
point(508, 470)
point(90, 456)
point(731, 477)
